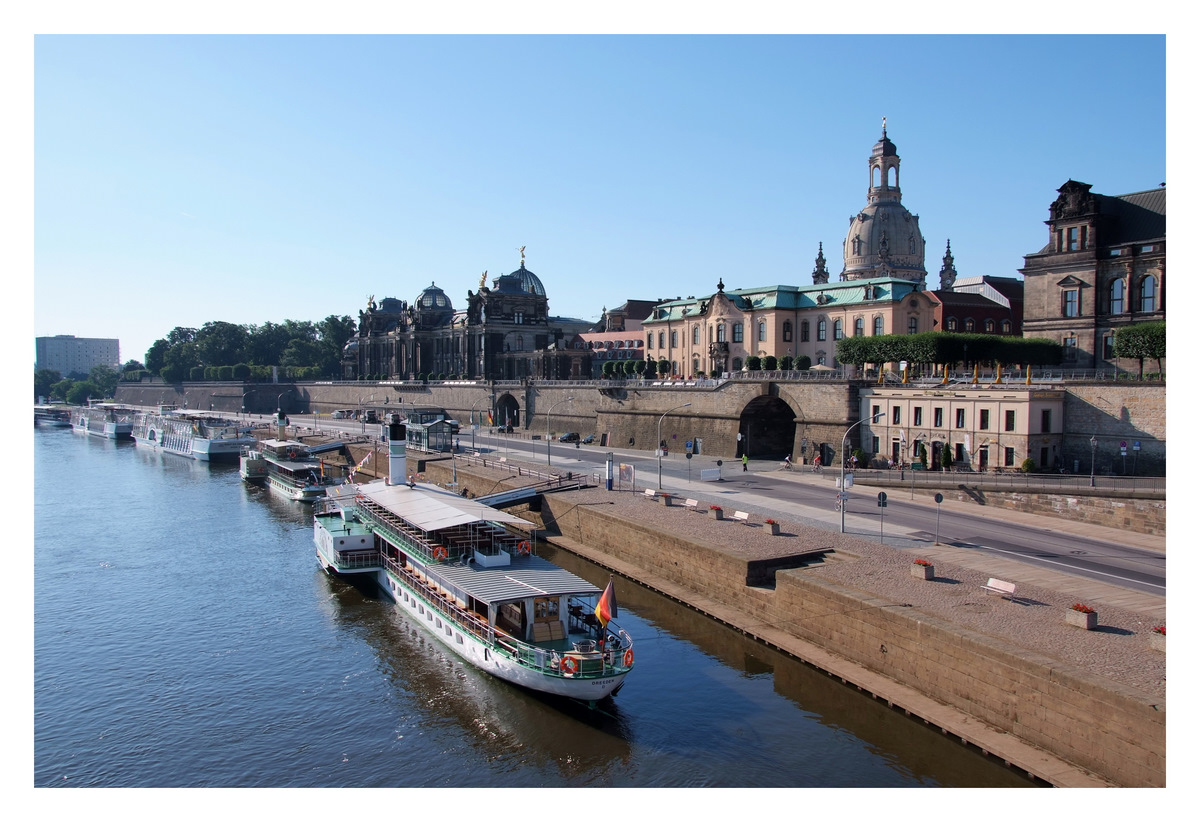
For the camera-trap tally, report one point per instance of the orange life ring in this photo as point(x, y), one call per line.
point(568, 665)
point(440, 552)
point(523, 548)
point(628, 657)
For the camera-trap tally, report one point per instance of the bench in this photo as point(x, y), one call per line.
point(691, 504)
point(651, 493)
point(741, 516)
point(999, 586)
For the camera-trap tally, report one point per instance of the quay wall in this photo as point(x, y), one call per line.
point(1098, 725)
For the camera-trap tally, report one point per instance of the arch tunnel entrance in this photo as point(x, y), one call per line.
point(766, 429)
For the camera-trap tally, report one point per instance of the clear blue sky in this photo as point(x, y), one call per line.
point(182, 179)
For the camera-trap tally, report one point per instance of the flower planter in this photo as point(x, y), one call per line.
point(716, 513)
point(772, 528)
point(1158, 641)
point(666, 499)
point(1081, 620)
point(921, 571)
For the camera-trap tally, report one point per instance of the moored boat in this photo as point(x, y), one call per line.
point(51, 416)
point(292, 470)
point(104, 419)
point(192, 434)
point(456, 567)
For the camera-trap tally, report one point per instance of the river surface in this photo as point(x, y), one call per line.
point(184, 636)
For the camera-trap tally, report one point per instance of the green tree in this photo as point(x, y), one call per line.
point(105, 378)
point(754, 363)
point(156, 356)
point(947, 458)
point(221, 343)
point(81, 392)
point(770, 363)
point(664, 368)
point(43, 379)
point(1141, 341)
point(265, 343)
point(301, 352)
point(923, 456)
point(610, 369)
point(61, 388)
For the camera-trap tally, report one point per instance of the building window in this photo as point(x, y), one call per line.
point(762, 332)
point(937, 418)
point(650, 340)
point(989, 326)
point(895, 415)
point(1073, 238)
point(1116, 297)
point(1070, 348)
point(917, 416)
point(695, 335)
point(661, 340)
point(1148, 296)
point(951, 324)
point(1005, 327)
point(959, 453)
point(737, 332)
point(787, 331)
point(1010, 457)
point(720, 332)
point(820, 330)
point(737, 363)
point(912, 325)
point(969, 325)
point(877, 327)
point(960, 418)
point(837, 329)
point(859, 327)
point(1109, 343)
point(1045, 420)
point(874, 411)
point(804, 331)
point(519, 317)
point(1010, 420)
point(984, 419)
point(674, 339)
point(1070, 302)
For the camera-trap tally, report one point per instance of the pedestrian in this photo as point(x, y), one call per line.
point(745, 462)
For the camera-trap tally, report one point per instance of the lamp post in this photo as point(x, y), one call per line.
point(473, 425)
point(1092, 482)
point(244, 395)
point(660, 439)
point(845, 439)
point(548, 412)
point(362, 417)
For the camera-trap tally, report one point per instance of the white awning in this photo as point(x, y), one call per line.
point(431, 508)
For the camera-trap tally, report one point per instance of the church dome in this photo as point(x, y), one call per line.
point(434, 306)
point(884, 239)
point(521, 280)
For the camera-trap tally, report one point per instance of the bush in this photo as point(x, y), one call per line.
point(225, 372)
point(1027, 465)
point(770, 363)
point(788, 363)
point(171, 374)
point(754, 363)
point(241, 371)
point(196, 373)
point(803, 362)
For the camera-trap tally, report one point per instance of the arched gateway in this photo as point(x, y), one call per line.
point(766, 429)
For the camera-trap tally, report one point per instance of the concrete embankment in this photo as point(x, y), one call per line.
point(1058, 721)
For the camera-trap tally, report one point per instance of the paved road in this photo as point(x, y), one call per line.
point(911, 520)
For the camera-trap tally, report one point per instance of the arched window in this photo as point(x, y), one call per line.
point(804, 331)
point(650, 340)
point(989, 326)
point(859, 326)
point(695, 335)
point(787, 331)
point(762, 331)
point(1005, 326)
point(662, 338)
point(951, 324)
point(912, 325)
point(674, 339)
point(738, 332)
point(1116, 297)
point(737, 363)
point(1148, 298)
point(720, 332)
point(695, 365)
point(837, 329)
point(877, 327)
point(969, 324)
point(821, 330)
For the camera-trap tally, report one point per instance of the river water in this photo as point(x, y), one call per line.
point(184, 636)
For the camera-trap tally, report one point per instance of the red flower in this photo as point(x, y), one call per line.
point(771, 522)
point(1160, 629)
point(714, 508)
point(922, 562)
point(1083, 609)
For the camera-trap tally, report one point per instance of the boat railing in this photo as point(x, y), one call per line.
point(440, 602)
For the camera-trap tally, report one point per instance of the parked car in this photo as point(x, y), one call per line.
point(570, 436)
point(343, 414)
point(372, 416)
point(589, 439)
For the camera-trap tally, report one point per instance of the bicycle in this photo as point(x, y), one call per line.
point(786, 465)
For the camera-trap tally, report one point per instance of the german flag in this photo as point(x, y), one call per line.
point(606, 608)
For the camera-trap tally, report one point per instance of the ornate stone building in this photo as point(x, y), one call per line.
point(1103, 268)
point(505, 333)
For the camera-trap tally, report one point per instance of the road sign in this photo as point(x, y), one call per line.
point(1137, 445)
point(882, 500)
point(1122, 443)
point(938, 498)
point(842, 496)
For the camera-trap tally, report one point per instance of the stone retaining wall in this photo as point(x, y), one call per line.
point(1082, 719)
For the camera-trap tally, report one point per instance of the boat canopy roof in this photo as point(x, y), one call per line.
point(526, 577)
point(431, 508)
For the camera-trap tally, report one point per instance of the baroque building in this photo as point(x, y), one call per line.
point(1104, 267)
point(505, 333)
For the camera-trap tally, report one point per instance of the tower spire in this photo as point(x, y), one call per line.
point(948, 275)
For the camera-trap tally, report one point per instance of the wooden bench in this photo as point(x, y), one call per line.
point(651, 493)
point(999, 586)
point(741, 516)
point(691, 504)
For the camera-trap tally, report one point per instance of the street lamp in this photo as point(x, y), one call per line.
point(842, 455)
point(548, 412)
point(473, 425)
point(246, 394)
point(1092, 483)
point(660, 439)
point(362, 417)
